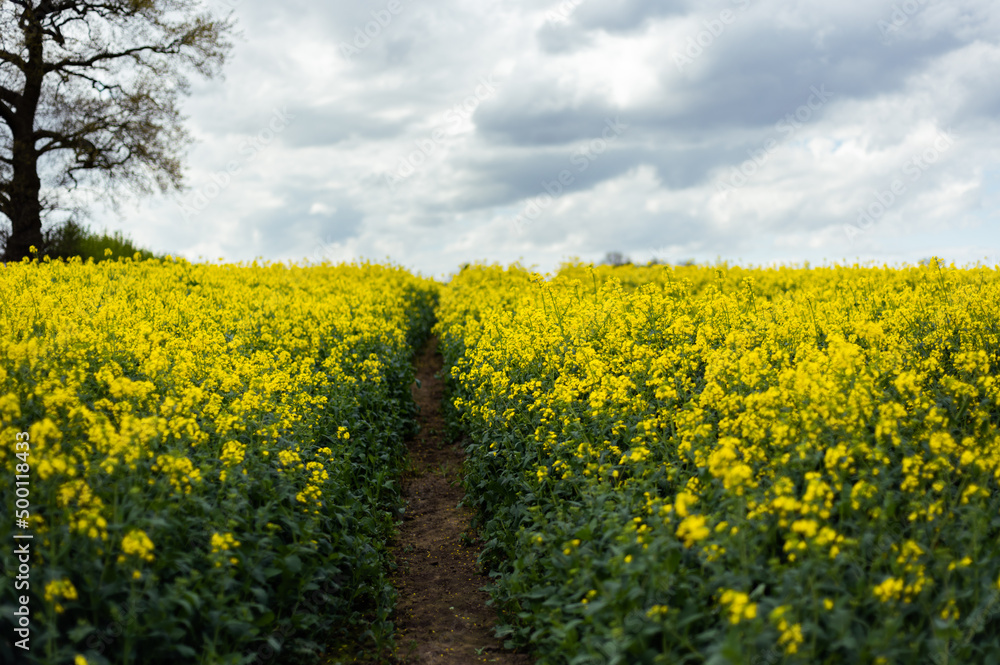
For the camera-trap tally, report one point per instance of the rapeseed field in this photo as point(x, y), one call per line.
point(692, 464)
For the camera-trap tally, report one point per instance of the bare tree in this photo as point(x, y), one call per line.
point(89, 95)
point(616, 259)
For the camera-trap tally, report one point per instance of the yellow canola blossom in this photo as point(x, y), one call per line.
point(57, 590)
point(738, 605)
point(790, 633)
point(136, 543)
point(692, 529)
point(223, 542)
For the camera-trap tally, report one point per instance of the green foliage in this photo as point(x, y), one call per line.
point(71, 239)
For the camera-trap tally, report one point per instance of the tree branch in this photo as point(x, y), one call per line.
point(12, 58)
point(7, 97)
point(173, 48)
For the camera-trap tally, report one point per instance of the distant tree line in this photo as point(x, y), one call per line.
point(616, 259)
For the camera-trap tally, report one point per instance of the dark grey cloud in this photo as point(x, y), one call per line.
point(508, 179)
point(329, 125)
point(755, 75)
point(541, 120)
point(623, 15)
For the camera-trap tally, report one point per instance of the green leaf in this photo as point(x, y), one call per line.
point(293, 563)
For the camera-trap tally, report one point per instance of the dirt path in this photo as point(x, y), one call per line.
point(441, 614)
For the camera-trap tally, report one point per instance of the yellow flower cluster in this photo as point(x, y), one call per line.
point(913, 579)
point(180, 471)
point(136, 543)
point(692, 529)
point(221, 545)
point(223, 542)
point(291, 459)
point(57, 590)
point(313, 491)
point(737, 605)
point(790, 633)
point(86, 517)
point(657, 611)
point(232, 453)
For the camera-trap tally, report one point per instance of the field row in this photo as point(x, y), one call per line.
point(213, 456)
point(688, 465)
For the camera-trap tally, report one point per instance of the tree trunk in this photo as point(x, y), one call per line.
point(24, 208)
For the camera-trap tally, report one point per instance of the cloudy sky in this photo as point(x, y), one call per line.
point(444, 131)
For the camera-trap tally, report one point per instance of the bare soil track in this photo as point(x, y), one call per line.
point(441, 614)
